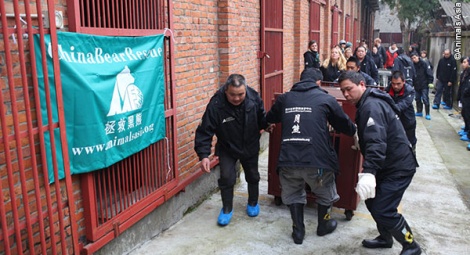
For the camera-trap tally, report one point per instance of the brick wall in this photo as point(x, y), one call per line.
point(212, 40)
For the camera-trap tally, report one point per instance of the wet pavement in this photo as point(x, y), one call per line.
point(436, 206)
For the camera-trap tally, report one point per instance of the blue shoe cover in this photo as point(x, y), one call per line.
point(252, 211)
point(468, 147)
point(462, 132)
point(464, 138)
point(447, 108)
point(443, 103)
point(428, 117)
point(224, 219)
point(435, 106)
point(419, 114)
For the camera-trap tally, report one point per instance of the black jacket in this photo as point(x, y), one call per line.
point(404, 103)
point(330, 73)
point(446, 70)
point(369, 80)
point(404, 64)
point(311, 59)
point(377, 59)
point(423, 75)
point(383, 54)
point(382, 139)
point(464, 87)
point(304, 113)
point(368, 66)
point(235, 134)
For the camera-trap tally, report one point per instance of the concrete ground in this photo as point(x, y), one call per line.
point(436, 206)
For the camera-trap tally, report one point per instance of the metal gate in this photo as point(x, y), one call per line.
point(271, 52)
point(36, 217)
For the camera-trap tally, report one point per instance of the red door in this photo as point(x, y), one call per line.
point(271, 50)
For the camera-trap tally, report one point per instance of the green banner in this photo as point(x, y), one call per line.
point(113, 97)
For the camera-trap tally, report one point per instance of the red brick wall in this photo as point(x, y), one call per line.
point(212, 40)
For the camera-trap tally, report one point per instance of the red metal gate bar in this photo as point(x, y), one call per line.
point(19, 148)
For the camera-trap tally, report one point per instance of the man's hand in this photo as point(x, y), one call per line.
point(366, 186)
point(270, 128)
point(356, 142)
point(206, 165)
point(449, 84)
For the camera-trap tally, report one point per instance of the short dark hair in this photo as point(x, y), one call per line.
point(311, 74)
point(355, 60)
point(354, 77)
point(235, 80)
point(311, 42)
point(398, 74)
point(414, 53)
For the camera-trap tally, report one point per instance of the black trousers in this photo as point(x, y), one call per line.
point(228, 176)
point(388, 195)
point(466, 112)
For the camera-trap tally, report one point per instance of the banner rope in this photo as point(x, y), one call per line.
point(168, 157)
point(171, 34)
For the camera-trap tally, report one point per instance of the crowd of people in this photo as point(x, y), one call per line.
point(414, 65)
point(384, 129)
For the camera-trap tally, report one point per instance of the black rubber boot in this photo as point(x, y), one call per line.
point(227, 199)
point(325, 224)
point(419, 106)
point(426, 109)
point(253, 193)
point(402, 232)
point(384, 240)
point(298, 227)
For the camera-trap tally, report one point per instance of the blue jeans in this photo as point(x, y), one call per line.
point(422, 97)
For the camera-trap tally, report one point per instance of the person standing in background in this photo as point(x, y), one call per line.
point(332, 66)
point(391, 56)
point(367, 64)
point(464, 97)
point(421, 85)
point(446, 74)
point(424, 57)
point(381, 50)
point(376, 57)
point(348, 53)
point(403, 95)
point(311, 56)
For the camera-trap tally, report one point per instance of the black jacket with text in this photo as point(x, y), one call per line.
point(305, 112)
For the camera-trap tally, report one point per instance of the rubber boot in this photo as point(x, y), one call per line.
point(325, 224)
point(426, 109)
point(252, 208)
point(419, 108)
point(384, 240)
point(402, 233)
point(298, 227)
point(227, 199)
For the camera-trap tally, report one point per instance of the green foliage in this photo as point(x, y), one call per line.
point(409, 12)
